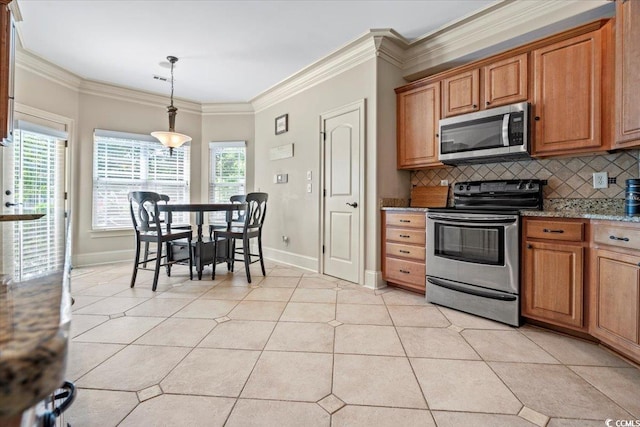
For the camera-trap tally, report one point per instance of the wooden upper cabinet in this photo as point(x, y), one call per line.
point(567, 94)
point(627, 71)
point(505, 82)
point(461, 93)
point(418, 115)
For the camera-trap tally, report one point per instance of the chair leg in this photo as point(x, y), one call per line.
point(213, 265)
point(264, 273)
point(135, 264)
point(190, 259)
point(146, 254)
point(232, 242)
point(169, 259)
point(247, 258)
point(157, 269)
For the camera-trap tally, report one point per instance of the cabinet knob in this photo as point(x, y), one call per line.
point(529, 246)
point(437, 135)
point(487, 103)
point(536, 118)
point(475, 106)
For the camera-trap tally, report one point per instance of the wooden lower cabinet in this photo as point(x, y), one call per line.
point(403, 249)
point(553, 272)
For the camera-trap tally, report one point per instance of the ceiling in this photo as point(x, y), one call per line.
point(229, 51)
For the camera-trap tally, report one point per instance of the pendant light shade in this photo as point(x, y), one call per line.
point(171, 138)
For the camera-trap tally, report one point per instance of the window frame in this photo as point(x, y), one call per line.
point(211, 187)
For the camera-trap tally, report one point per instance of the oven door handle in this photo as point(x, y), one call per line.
point(474, 221)
point(476, 292)
point(505, 129)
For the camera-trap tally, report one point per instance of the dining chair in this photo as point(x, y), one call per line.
point(252, 228)
point(148, 228)
point(165, 198)
point(232, 217)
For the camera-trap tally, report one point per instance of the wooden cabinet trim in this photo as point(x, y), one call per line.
point(627, 81)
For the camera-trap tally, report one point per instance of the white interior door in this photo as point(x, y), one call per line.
point(34, 182)
point(342, 207)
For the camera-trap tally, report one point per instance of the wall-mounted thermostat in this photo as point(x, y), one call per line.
point(281, 178)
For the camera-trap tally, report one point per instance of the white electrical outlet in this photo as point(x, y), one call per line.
point(600, 180)
point(309, 188)
point(444, 182)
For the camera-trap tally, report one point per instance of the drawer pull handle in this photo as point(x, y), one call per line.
point(624, 239)
point(405, 272)
point(406, 236)
point(405, 220)
point(547, 230)
point(404, 252)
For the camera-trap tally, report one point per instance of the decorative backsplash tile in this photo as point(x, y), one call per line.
point(568, 178)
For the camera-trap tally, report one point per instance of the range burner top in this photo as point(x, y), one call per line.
point(499, 196)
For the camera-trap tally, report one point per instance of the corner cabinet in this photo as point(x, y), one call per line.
point(403, 249)
point(553, 271)
point(615, 294)
point(627, 74)
point(7, 55)
point(418, 114)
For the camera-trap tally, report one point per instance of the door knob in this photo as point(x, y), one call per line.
point(353, 205)
point(9, 204)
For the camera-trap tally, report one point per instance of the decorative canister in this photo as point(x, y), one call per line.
point(632, 197)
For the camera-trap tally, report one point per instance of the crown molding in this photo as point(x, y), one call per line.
point(237, 108)
point(390, 46)
point(47, 70)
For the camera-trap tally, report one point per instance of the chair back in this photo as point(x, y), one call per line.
point(144, 211)
point(236, 216)
point(256, 211)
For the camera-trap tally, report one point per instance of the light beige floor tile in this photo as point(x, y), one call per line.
point(206, 309)
point(506, 346)
point(439, 343)
point(81, 301)
point(81, 323)
point(241, 280)
point(309, 312)
point(564, 422)
point(359, 297)
point(376, 381)
point(271, 413)
point(399, 297)
point(367, 416)
point(173, 410)
point(212, 372)
point(178, 332)
point(138, 292)
point(270, 294)
point(158, 307)
point(463, 385)
point(361, 314)
point(258, 310)
point(317, 282)
point(149, 363)
point(279, 282)
point(368, 339)
point(84, 356)
point(290, 376)
point(298, 336)
point(331, 403)
point(415, 315)
point(469, 321)
point(286, 272)
point(186, 291)
point(236, 293)
point(457, 419)
point(573, 351)
point(622, 385)
point(556, 391)
point(104, 290)
point(100, 408)
point(123, 330)
point(111, 305)
point(314, 295)
point(239, 334)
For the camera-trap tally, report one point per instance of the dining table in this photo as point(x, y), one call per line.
point(203, 249)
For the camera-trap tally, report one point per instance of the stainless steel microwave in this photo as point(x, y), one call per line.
point(497, 134)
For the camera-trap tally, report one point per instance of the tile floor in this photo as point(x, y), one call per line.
point(300, 349)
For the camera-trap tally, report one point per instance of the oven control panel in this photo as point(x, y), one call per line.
point(500, 194)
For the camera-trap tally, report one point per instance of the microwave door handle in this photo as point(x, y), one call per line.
point(505, 129)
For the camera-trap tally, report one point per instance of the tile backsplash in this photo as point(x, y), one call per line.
point(568, 178)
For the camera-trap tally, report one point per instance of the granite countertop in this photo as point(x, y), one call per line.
point(396, 208)
point(603, 209)
point(34, 328)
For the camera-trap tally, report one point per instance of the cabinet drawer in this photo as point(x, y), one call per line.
point(405, 271)
point(613, 235)
point(406, 235)
point(555, 230)
point(411, 220)
point(406, 251)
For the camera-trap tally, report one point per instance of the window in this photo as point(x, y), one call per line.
point(124, 162)
point(227, 173)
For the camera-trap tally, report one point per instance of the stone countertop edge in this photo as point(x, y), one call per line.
point(394, 208)
point(35, 318)
point(609, 216)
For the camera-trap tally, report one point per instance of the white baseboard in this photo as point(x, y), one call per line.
point(373, 280)
point(290, 258)
point(108, 257)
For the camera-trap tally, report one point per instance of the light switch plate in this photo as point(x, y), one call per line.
point(309, 175)
point(309, 188)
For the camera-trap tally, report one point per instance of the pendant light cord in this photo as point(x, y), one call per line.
point(172, 62)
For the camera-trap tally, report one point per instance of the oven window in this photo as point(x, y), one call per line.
point(481, 244)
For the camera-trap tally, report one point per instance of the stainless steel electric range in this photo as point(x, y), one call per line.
point(473, 249)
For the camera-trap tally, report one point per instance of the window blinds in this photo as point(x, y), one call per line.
point(227, 173)
point(124, 162)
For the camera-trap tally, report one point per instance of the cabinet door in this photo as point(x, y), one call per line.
point(553, 283)
point(617, 298)
point(505, 82)
point(627, 74)
point(567, 89)
point(418, 116)
point(461, 93)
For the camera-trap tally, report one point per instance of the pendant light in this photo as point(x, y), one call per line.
point(171, 139)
